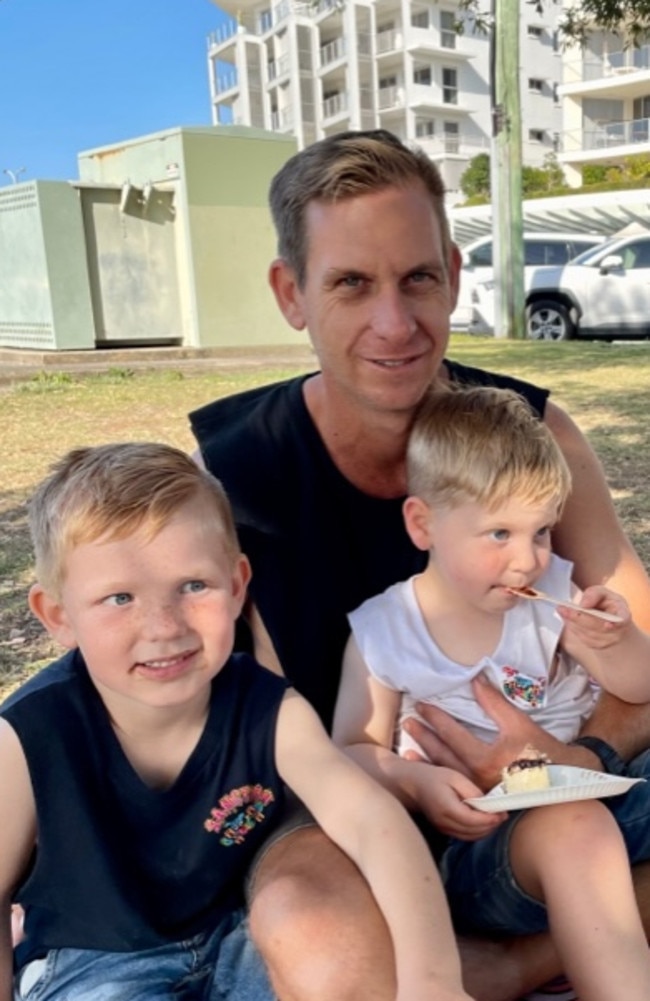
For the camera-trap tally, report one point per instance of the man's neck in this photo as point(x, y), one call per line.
point(367, 447)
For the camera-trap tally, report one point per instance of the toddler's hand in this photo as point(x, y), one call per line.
point(597, 633)
point(441, 794)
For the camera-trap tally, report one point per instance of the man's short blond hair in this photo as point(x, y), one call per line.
point(483, 445)
point(342, 166)
point(111, 491)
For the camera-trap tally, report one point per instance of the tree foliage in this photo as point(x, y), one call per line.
point(535, 181)
point(542, 180)
point(630, 19)
point(476, 178)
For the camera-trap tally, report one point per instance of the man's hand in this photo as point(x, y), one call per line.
point(453, 746)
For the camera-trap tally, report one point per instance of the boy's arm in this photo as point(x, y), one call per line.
point(17, 839)
point(616, 655)
point(375, 831)
point(364, 725)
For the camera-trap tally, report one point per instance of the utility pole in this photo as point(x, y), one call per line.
point(506, 171)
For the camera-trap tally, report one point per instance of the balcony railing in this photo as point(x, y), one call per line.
point(335, 105)
point(390, 97)
point(225, 80)
point(438, 147)
point(388, 41)
point(278, 67)
point(607, 135)
point(227, 30)
point(617, 134)
point(332, 51)
point(592, 67)
point(282, 120)
point(629, 60)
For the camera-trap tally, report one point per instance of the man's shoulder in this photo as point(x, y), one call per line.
point(247, 411)
point(470, 375)
point(261, 437)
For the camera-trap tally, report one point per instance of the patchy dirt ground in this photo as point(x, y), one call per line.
point(606, 392)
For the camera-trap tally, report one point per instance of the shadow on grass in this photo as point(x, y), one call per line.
point(22, 638)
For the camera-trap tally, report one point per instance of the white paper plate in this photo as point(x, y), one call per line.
point(567, 784)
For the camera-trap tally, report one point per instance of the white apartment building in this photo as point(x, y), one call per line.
point(606, 104)
point(318, 67)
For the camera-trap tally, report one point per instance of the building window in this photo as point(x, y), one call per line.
point(387, 81)
point(420, 19)
point(422, 75)
point(641, 107)
point(536, 85)
point(534, 31)
point(448, 33)
point(449, 86)
point(265, 21)
point(536, 135)
point(425, 130)
point(452, 137)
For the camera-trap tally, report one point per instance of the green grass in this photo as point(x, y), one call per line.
point(605, 387)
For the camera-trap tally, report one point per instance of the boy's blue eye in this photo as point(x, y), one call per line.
point(194, 586)
point(122, 598)
point(500, 534)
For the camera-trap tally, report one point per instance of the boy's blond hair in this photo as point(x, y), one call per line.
point(109, 492)
point(483, 445)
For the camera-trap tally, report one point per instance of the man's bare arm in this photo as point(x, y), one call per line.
point(263, 647)
point(589, 532)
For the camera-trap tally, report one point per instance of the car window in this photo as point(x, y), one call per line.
point(637, 255)
point(579, 247)
point(537, 252)
point(534, 252)
point(481, 257)
point(549, 252)
point(588, 256)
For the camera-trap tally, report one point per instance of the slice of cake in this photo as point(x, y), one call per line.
point(528, 772)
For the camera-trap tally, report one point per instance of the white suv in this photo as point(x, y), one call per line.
point(604, 293)
point(539, 249)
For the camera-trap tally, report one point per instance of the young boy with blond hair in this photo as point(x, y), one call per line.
point(140, 773)
point(487, 483)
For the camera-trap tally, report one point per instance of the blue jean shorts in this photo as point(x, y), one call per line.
point(222, 965)
point(483, 893)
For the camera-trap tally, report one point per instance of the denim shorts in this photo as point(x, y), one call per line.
point(295, 817)
point(222, 965)
point(482, 891)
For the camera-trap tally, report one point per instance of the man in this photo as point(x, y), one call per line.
point(315, 469)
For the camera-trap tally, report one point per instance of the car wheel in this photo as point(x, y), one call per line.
point(549, 321)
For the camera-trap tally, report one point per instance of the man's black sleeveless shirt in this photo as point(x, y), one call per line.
point(318, 545)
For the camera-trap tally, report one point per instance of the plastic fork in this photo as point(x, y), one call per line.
point(533, 595)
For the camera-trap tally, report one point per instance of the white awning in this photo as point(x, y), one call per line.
point(607, 212)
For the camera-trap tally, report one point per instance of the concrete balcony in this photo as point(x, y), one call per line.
point(623, 74)
point(622, 138)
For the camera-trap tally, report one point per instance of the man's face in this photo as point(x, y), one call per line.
point(377, 296)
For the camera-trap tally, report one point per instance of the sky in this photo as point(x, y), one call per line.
point(77, 74)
